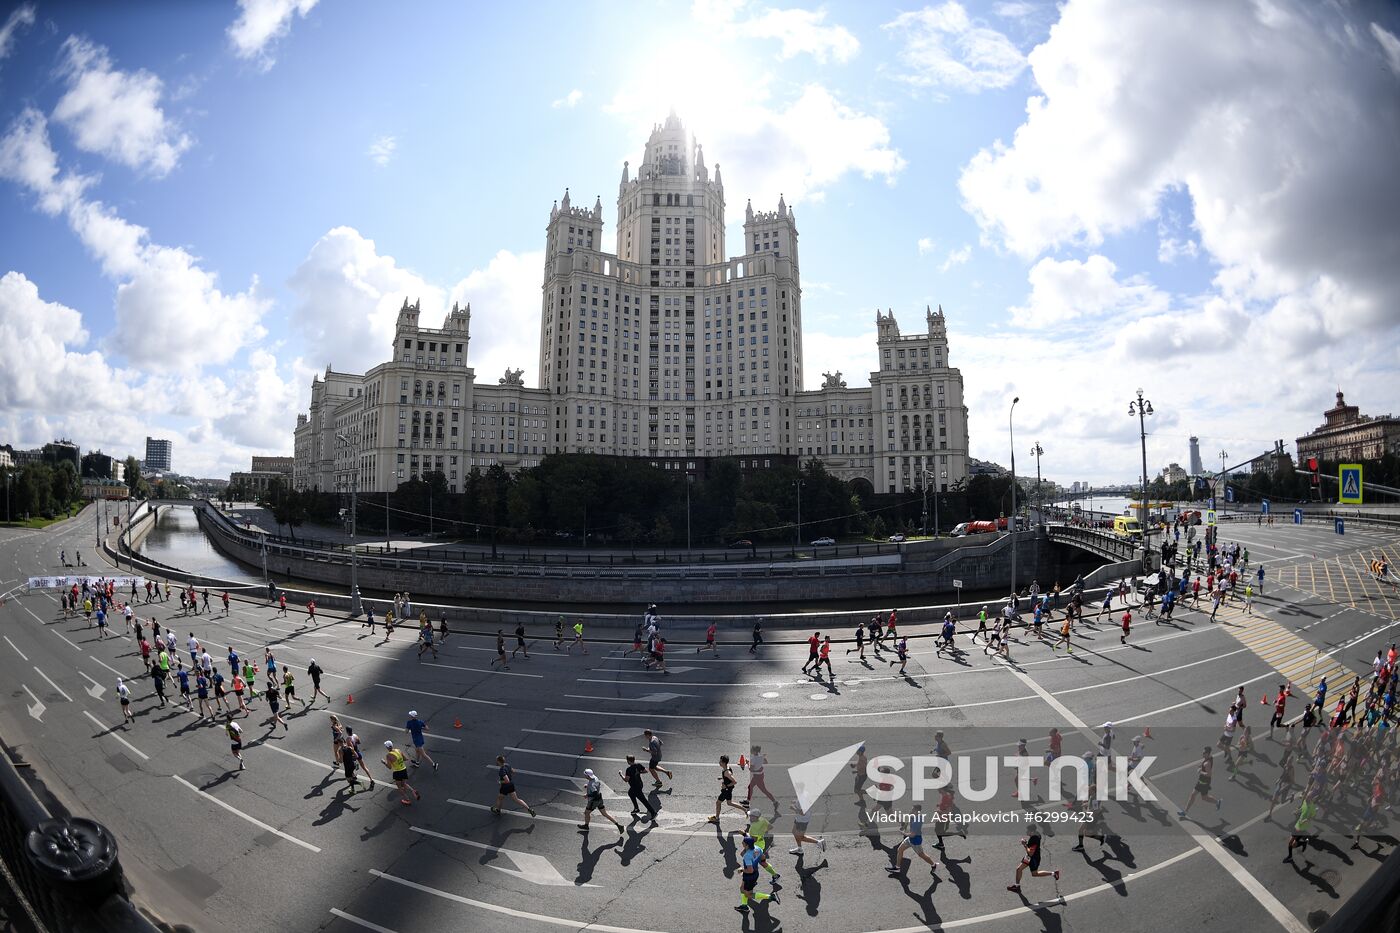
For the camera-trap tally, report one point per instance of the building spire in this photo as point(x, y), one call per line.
point(625, 165)
point(782, 206)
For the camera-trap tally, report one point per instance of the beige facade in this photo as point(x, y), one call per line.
point(1346, 435)
point(665, 348)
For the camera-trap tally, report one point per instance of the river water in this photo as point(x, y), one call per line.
point(177, 541)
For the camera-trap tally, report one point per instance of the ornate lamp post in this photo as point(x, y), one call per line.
point(1142, 408)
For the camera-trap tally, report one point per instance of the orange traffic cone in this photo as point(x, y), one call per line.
point(349, 698)
point(587, 746)
point(1147, 732)
point(457, 723)
point(1264, 700)
point(742, 763)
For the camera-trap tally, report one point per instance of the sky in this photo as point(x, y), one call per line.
point(202, 205)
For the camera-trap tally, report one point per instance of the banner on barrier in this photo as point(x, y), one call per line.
point(63, 583)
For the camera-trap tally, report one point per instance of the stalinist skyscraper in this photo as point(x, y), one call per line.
point(666, 347)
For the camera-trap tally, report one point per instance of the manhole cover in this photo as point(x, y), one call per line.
point(819, 696)
point(770, 695)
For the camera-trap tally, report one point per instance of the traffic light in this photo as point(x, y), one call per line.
point(1312, 466)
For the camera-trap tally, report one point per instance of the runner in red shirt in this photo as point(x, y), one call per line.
point(1280, 702)
point(225, 598)
point(813, 656)
point(709, 641)
point(824, 657)
point(1127, 626)
point(311, 611)
point(282, 604)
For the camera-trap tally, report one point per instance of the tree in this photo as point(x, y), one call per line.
point(135, 482)
point(288, 510)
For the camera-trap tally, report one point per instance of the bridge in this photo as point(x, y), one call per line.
point(1101, 543)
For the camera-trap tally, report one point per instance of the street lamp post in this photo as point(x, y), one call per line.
point(797, 532)
point(1037, 450)
point(926, 474)
point(1221, 503)
point(688, 479)
point(1142, 408)
point(354, 501)
point(1011, 519)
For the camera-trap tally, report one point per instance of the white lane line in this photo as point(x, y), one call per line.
point(789, 716)
point(535, 869)
point(51, 629)
point(240, 814)
point(618, 734)
point(351, 918)
point(508, 911)
point(668, 763)
point(16, 647)
point(480, 670)
point(608, 792)
point(108, 666)
point(441, 696)
point(1169, 670)
point(37, 710)
point(96, 690)
point(1049, 698)
point(385, 725)
point(112, 735)
point(647, 698)
point(52, 684)
point(263, 743)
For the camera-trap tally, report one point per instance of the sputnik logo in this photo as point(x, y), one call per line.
point(810, 779)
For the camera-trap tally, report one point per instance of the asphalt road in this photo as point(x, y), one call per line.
point(282, 846)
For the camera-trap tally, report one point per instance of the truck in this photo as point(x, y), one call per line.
point(974, 528)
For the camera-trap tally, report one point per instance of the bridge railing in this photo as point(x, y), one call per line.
point(1106, 545)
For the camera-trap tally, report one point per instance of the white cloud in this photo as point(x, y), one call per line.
point(853, 355)
point(956, 257)
point(1064, 290)
point(260, 23)
point(801, 32)
point(1277, 119)
point(1170, 249)
point(568, 100)
point(926, 245)
point(116, 113)
point(943, 48)
point(797, 149)
point(350, 297)
point(381, 151)
point(168, 306)
point(505, 299)
point(1390, 45)
point(1013, 10)
point(21, 18)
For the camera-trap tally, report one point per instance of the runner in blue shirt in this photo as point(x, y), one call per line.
point(184, 677)
point(416, 727)
point(748, 880)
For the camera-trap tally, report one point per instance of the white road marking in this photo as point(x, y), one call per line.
point(106, 665)
point(16, 647)
point(608, 792)
point(385, 725)
point(648, 698)
point(882, 714)
point(96, 690)
point(668, 763)
point(441, 696)
point(240, 814)
point(620, 735)
point(535, 869)
point(37, 709)
point(54, 685)
point(263, 743)
point(351, 918)
point(479, 670)
point(113, 735)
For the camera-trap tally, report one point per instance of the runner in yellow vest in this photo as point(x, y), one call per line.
point(398, 766)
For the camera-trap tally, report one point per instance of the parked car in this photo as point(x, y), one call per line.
point(897, 538)
point(742, 542)
point(824, 542)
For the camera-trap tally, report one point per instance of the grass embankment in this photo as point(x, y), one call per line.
point(44, 522)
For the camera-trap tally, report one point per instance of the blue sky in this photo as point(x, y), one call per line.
point(204, 204)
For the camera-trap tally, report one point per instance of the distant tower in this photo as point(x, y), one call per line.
point(1196, 468)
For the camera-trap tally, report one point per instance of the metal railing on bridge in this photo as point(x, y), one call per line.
point(1104, 544)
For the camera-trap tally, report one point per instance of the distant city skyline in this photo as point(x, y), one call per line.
point(183, 251)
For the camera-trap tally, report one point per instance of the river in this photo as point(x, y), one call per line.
point(177, 541)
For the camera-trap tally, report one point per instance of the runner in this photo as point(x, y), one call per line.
point(250, 677)
point(748, 879)
point(235, 740)
point(709, 644)
point(158, 683)
point(442, 628)
point(813, 653)
point(425, 639)
point(220, 694)
point(1064, 635)
point(239, 685)
point(1127, 626)
point(860, 641)
point(184, 677)
point(760, 829)
point(281, 604)
point(801, 821)
point(653, 751)
point(757, 763)
point(224, 597)
point(825, 658)
point(353, 741)
point(500, 651)
point(313, 670)
point(635, 793)
point(124, 696)
point(349, 763)
point(1202, 789)
point(1280, 702)
point(578, 638)
point(913, 840)
point(726, 790)
point(520, 641)
point(593, 800)
point(506, 775)
point(415, 728)
point(275, 705)
point(1031, 860)
point(757, 636)
point(289, 690)
point(1302, 830)
point(369, 618)
point(901, 651)
point(394, 761)
point(559, 634)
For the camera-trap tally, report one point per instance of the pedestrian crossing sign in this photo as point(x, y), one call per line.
point(1349, 484)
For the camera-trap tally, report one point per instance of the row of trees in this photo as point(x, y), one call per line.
point(1288, 483)
point(578, 498)
point(41, 490)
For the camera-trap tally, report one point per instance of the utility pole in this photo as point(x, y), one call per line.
point(1011, 520)
point(1142, 408)
point(1037, 450)
point(797, 532)
point(347, 441)
point(687, 514)
point(1221, 503)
